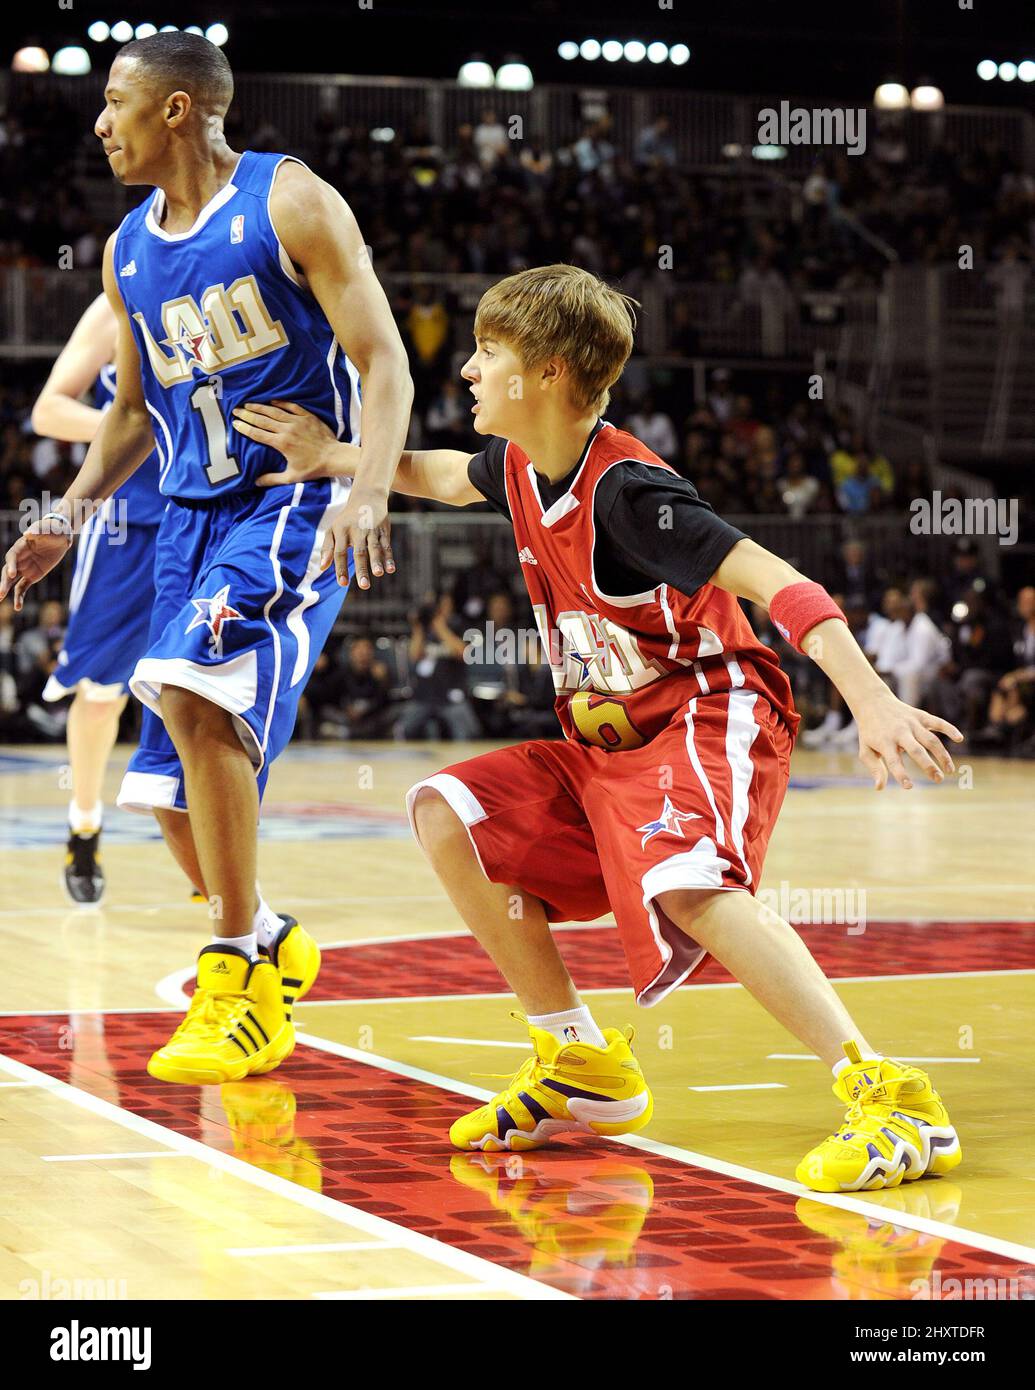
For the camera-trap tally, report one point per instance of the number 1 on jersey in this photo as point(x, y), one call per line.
point(206, 399)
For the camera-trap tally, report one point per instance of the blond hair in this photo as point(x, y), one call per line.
point(563, 311)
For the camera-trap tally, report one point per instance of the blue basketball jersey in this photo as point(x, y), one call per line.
point(221, 319)
point(144, 502)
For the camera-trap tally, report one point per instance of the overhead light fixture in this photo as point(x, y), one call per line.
point(1026, 70)
point(122, 31)
point(71, 61)
point(927, 98)
point(590, 49)
point(657, 52)
point(768, 152)
point(986, 69)
point(568, 50)
point(476, 72)
point(612, 51)
point(635, 51)
point(217, 34)
point(891, 96)
point(31, 59)
point(679, 54)
point(98, 31)
point(144, 31)
point(1007, 72)
point(514, 76)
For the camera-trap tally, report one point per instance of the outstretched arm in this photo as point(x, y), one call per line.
point(888, 727)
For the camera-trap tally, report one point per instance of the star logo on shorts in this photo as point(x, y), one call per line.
point(213, 613)
point(670, 822)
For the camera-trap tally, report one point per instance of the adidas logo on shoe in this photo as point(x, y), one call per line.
point(221, 968)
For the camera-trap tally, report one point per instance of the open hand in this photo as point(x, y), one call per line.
point(888, 727)
point(33, 555)
point(363, 527)
point(306, 442)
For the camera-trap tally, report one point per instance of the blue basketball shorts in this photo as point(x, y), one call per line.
point(109, 609)
point(241, 614)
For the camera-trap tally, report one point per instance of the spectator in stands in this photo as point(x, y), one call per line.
point(798, 489)
point(1011, 709)
point(36, 658)
point(366, 692)
point(720, 397)
point(440, 706)
point(448, 417)
point(858, 489)
point(655, 429)
point(982, 652)
point(490, 138)
point(655, 148)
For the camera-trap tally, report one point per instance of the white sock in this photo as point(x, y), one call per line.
point(573, 1025)
point(265, 923)
point(247, 944)
point(85, 822)
point(839, 1067)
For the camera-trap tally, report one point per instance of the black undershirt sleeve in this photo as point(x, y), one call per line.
point(485, 472)
point(653, 528)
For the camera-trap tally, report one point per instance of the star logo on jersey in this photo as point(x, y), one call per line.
point(190, 344)
point(585, 675)
point(670, 822)
point(213, 613)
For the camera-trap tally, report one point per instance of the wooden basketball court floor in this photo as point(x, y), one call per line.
point(332, 1177)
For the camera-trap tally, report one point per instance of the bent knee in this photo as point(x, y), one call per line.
point(187, 712)
point(438, 826)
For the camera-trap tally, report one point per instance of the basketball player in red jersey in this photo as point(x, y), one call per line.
point(678, 725)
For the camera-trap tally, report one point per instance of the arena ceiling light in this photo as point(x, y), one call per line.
point(1007, 72)
point(612, 51)
point(31, 59)
point(891, 96)
point(122, 31)
point(986, 70)
point(217, 34)
point(169, 29)
point(144, 31)
point(635, 51)
point(476, 72)
point(568, 50)
point(926, 98)
point(98, 31)
point(679, 54)
point(632, 50)
point(657, 52)
point(195, 29)
point(1026, 70)
point(514, 76)
point(71, 61)
point(590, 49)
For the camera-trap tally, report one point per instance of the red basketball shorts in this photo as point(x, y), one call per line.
point(590, 832)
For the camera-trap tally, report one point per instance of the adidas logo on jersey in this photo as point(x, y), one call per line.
point(526, 557)
point(237, 228)
point(130, 269)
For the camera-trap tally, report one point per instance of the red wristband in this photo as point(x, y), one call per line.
point(796, 609)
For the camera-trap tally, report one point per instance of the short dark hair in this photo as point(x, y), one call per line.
point(181, 62)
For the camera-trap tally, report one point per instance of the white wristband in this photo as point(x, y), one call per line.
point(65, 522)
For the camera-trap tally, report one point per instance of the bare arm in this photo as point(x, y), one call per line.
point(122, 442)
point(312, 451)
point(887, 725)
point(59, 413)
point(320, 235)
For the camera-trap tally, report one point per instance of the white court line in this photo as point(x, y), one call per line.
point(414, 1291)
point(752, 1086)
point(848, 1202)
point(248, 1252)
point(460, 1261)
point(899, 1057)
point(90, 1158)
point(472, 1042)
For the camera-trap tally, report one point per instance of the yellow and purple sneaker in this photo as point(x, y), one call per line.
point(896, 1129)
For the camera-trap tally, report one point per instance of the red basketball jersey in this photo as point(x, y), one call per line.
point(623, 666)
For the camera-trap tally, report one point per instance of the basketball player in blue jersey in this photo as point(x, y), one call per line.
point(243, 277)
point(113, 573)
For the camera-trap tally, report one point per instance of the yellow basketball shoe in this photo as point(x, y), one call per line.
point(236, 1024)
point(896, 1130)
point(562, 1086)
point(297, 956)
